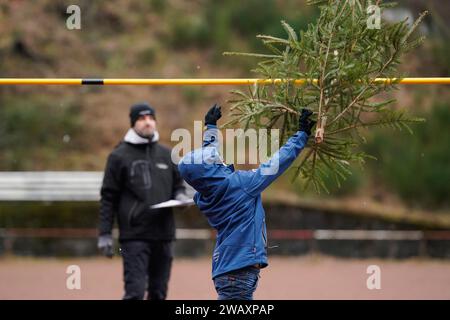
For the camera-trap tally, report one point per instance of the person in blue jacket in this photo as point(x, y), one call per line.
point(231, 201)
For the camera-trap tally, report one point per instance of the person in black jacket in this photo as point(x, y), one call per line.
point(139, 173)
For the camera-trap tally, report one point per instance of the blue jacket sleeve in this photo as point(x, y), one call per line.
point(255, 181)
point(210, 137)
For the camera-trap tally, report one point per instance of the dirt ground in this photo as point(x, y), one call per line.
point(308, 277)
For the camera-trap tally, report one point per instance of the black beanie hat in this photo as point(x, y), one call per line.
point(140, 109)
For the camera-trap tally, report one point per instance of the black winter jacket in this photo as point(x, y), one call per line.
point(137, 176)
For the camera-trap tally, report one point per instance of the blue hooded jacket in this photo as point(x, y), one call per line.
point(231, 200)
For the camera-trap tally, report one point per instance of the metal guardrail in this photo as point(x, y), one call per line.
point(50, 185)
point(275, 234)
point(344, 243)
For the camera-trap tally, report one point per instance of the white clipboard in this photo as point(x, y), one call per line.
point(172, 203)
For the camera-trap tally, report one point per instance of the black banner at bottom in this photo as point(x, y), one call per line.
point(206, 309)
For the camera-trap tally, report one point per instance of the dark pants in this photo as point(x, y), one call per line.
point(238, 284)
point(146, 267)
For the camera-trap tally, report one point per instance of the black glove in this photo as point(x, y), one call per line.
point(105, 245)
point(213, 115)
point(304, 123)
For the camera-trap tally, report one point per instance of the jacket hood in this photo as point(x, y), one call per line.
point(204, 170)
point(133, 138)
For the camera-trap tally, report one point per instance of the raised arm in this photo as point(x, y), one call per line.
point(210, 137)
point(255, 181)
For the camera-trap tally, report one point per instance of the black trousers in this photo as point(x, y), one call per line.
point(146, 267)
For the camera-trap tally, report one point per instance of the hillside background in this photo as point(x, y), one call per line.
point(74, 127)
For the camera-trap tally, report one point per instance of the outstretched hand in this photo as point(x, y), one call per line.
point(304, 123)
point(214, 114)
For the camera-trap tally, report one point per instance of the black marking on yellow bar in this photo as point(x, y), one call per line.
point(92, 81)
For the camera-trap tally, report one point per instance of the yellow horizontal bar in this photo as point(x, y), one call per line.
point(435, 80)
point(38, 81)
point(193, 81)
point(70, 81)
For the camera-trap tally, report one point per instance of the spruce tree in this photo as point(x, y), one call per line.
point(341, 55)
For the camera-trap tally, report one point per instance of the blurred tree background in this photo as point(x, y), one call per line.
point(74, 128)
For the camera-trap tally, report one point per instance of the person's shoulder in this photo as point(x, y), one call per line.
point(241, 177)
point(119, 150)
point(164, 149)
